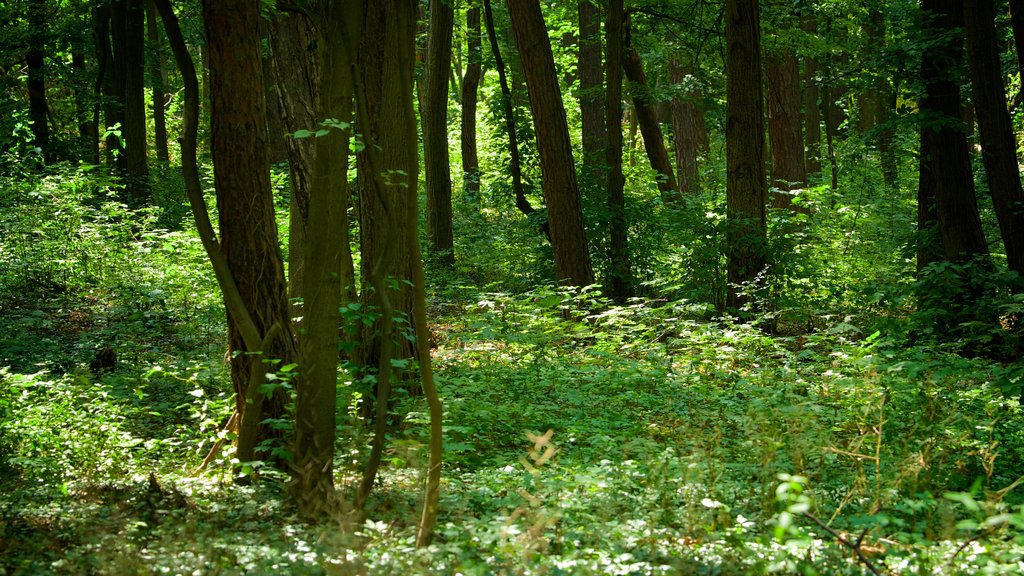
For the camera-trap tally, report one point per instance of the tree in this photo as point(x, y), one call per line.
point(435, 132)
point(129, 54)
point(946, 186)
point(784, 126)
point(746, 186)
point(240, 151)
point(812, 105)
point(999, 151)
point(592, 105)
point(647, 119)
point(36, 78)
point(620, 275)
point(558, 172)
point(687, 126)
point(156, 73)
point(470, 90)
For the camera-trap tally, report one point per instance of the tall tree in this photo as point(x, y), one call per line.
point(38, 110)
point(620, 279)
point(784, 126)
point(812, 105)
point(129, 53)
point(999, 151)
point(435, 132)
point(470, 91)
point(687, 124)
point(592, 105)
point(156, 78)
point(240, 151)
point(508, 110)
point(946, 185)
point(746, 185)
point(647, 119)
point(558, 171)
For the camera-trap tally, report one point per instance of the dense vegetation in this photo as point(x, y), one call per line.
point(853, 406)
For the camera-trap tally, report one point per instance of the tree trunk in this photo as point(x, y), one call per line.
point(435, 133)
point(592, 105)
point(84, 99)
point(38, 110)
point(999, 151)
point(388, 175)
point(558, 172)
point(129, 50)
point(620, 276)
point(241, 159)
point(812, 107)
point(508, 108)
point(156, 73)
point(470, 90)
point(686, 117)
point(316, 392)
point(945, 170)
point(1017, 25)
point(746, 185)
point(647, 118)
point(784, 133)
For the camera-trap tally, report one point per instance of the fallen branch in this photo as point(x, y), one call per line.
point(852, 546)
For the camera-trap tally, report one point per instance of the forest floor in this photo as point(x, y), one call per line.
point(581, 437)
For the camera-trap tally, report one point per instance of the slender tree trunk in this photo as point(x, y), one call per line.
point(133, 63)
point(435, 133)
point(558, 172)
point(620, 276)
point(746, 186)
point(38, 110)
point(647, 118)
point(784, 133)
point(999, 151)
point(156, 73)
point(241, 158)
point(592, 105)
point(685, 119)
point(470, 90)
point(812, 107)
point(508, 108)
point(945, 171)
point(84, 103)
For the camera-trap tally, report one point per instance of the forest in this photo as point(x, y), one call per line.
point(520, 287)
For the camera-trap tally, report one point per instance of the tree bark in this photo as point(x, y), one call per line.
point(435, 133)
point(784, 128)
point(133, 61)
point(558, 172)
point(945, 169)
point(812, 107)
point(999, 151)
point(592, 105)
point(647, 118)
point(38, 110)
point(241, 157)
point(687, 118)
point(746, 185)
point(156, 73)
point(620, 275)
point(470, 90)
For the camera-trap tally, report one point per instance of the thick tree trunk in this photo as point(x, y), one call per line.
point(129, 58)
point(999, 151)
point(38, 110)
point(620, 276)
point(241, 158)
point(945, 170)
point(647, 118)
point(508, 108)
point(686, 121)
point(746, 186)
point(592, 105)
point(558, 172)
point(435, 133)
point(470, 90)
point(156, 73)
point(812, 107)
point(784, 128)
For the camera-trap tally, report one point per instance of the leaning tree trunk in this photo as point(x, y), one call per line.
point(999, 151)
point(647, 118)
point(241, 158)
point(435, 133)
point(558, 171)
point(470, 91)
point(746, 186)
point(784, 130)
